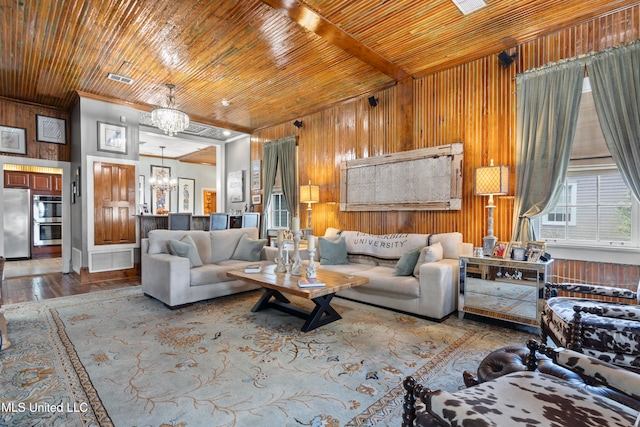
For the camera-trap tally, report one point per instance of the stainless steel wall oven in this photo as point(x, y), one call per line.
point(47, 220)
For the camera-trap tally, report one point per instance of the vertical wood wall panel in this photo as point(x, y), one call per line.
point(473, 103)
point(16, 114)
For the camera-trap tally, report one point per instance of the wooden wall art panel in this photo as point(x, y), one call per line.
point(416, 180)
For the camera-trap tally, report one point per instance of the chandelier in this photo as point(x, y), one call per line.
point(168, 119)
point(162, 181)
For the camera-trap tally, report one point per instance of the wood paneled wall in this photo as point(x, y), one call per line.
point(15, 114)
point(473, 103)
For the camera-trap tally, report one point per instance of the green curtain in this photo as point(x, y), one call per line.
point(615, 81)
point(281, 151)
point(548, 102)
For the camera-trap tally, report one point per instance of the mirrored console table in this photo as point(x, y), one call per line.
point(503, 288)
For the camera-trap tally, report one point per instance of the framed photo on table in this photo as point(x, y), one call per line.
point(112, 138)
point(534, 250)
point(51, 129)
point(13, 140)
point(186, 193)
point(501, 250)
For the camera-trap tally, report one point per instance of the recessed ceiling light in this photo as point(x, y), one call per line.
point(226, 133)
point(468, 6)
point(225, 102)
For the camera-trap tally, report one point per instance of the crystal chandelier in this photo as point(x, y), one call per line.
point(168, 119)
point(163, 181)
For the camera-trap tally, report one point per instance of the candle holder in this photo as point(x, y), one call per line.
point(296, 266)
point(280, 262)
point(311, 267)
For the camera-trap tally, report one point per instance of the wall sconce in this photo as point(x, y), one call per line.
point(298, 124)
point(489, 181)
point(309, 194)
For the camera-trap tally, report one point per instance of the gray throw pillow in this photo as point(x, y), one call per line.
point(407, 262)
point(185, 248)
point(248, 249)
point(333, 251)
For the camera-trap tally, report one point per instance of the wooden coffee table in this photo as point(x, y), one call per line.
point(277, 284)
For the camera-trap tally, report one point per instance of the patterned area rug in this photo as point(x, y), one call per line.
point(120, 358)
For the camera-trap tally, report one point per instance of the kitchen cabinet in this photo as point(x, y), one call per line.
point(42, 182)
point(16, 179)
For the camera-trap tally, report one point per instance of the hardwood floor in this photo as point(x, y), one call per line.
point(40, 280)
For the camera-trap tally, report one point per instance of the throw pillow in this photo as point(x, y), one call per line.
point(185, 248)
point(249, 249)
point(333, 251)
point(432, 253)
point(407, 262)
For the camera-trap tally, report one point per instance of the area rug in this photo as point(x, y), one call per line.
point(119, 358)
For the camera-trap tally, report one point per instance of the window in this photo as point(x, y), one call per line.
point(596, 208)
point(565, 210)
point(278, 212)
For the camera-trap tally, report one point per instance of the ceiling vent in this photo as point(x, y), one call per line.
point(121, 79)
point(468, 6)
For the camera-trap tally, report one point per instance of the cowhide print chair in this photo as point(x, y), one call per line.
point(609, 331)
point(569, 393)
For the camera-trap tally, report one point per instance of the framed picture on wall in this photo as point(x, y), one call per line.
point(186, 194)
point(255, 175)
point(51, 129)
point(112, 138)
point(13, 140)
point(160, 200)
point(141, 197)
point(235, 186)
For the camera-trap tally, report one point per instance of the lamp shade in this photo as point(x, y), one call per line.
point(309, 193)
point(491, 180)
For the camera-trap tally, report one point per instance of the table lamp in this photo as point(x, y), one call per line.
point(309, 194)
point(490, 181)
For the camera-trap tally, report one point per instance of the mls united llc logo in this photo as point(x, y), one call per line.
point(8, 407)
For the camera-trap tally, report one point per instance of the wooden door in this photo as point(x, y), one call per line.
point(114, 203)
point(209, 198)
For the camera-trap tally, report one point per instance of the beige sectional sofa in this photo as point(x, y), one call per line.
point(431, 290)
point(173, 279)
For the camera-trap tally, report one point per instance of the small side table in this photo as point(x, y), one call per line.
point(503, 289)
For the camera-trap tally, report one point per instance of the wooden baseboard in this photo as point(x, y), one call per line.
point(86, 277)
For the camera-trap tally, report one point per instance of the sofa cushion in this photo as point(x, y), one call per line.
point(383, 282)
point(158, 242)
point(387, 247)
point(185, 248)
point(450, 243)
point(249, 249)
point(527, 398)
point(407, 262)
point(333, 251)
point(431, 253)
point(208, 274)
point(224, 242)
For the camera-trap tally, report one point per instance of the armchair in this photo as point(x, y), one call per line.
point(607, 330)
point(577, 390)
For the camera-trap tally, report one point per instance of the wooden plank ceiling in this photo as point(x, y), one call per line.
point(273, 60)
